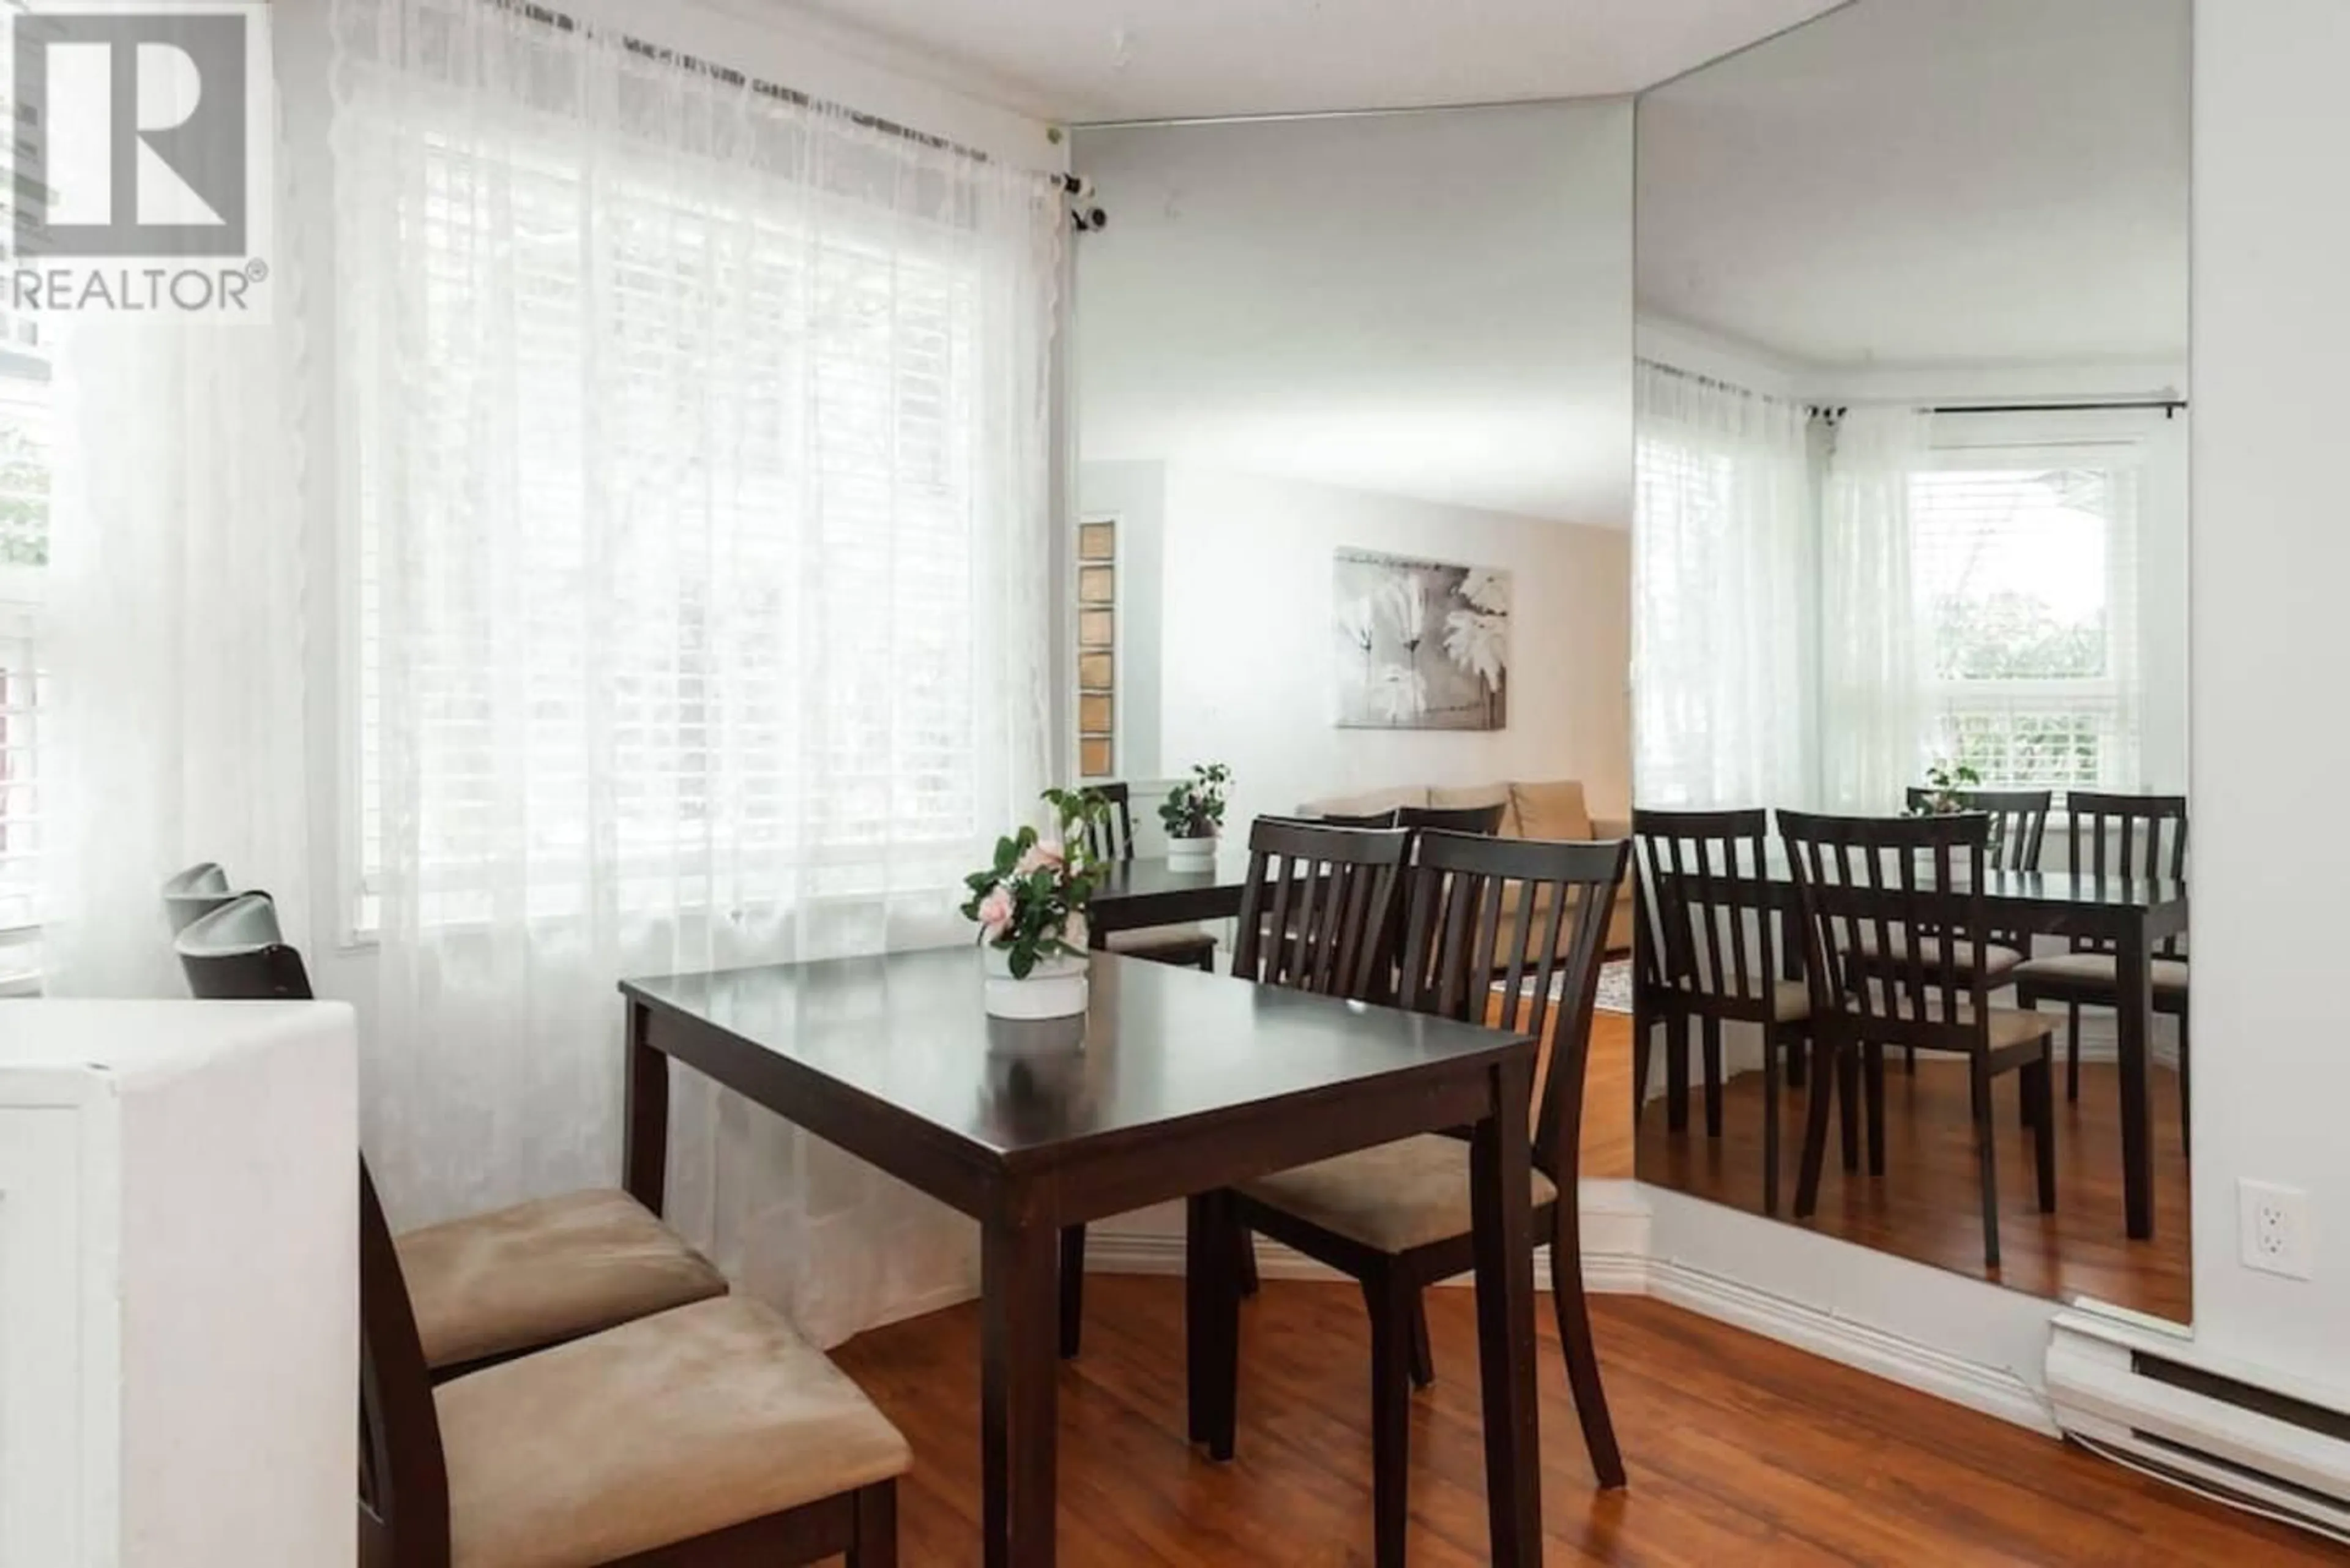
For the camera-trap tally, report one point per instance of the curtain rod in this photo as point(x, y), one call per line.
point(2170, 407)
point(661, 54)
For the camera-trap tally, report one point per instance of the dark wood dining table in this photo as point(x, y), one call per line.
point(1174, 1085)
point(1143, 892)
point(2132, 913)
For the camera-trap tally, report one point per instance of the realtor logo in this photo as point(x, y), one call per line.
point(142, 132)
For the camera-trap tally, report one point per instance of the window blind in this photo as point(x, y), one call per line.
point(723, 583)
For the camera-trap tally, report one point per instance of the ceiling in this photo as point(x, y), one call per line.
point(1930, 181)
point(1089, 60)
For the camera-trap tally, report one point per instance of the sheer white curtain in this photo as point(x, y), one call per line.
point(698, 448)
point(1722, 559)
point(1876, 661)
point(172, 725)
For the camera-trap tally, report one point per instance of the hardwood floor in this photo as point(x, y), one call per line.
point(1741, 1452)
point(1927, 1204)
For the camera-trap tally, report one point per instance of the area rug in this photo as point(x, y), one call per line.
point(1614, 987)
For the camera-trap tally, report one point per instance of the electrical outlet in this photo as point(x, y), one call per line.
point(2273, 1226)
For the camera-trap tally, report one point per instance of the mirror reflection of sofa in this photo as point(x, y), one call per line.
point(1550, 809)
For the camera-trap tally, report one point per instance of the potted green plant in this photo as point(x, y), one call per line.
point(1193, 813)
point(1947, 784)
point(1030, 908)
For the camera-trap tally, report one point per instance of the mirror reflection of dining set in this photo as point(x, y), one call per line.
point(1845, 940)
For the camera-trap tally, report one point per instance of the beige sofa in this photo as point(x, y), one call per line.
point(1549, 809)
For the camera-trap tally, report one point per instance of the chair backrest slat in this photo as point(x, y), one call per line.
point(1317, 908)
point(1894, 924)
point(1460, 886)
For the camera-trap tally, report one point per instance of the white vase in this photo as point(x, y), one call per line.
point(1191, 854)
point(1055, 988)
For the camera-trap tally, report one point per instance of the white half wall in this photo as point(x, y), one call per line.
point(2270, 554)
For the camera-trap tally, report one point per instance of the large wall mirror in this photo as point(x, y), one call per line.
point(1354, 410)
point(1910, 637)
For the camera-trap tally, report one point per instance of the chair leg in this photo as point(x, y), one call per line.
point(1848, 1075)
point(1816, 1127)
point(1676, 1037)
point(1908, 1060)
point(1423, 1356)
point(1072, 1289)
point(1643, 1045)
point(2072, 1051)
point(1772, 1045)
point(1797, 1064)
point(2039, 1086)
point(1714, 1077)
point(1575, 1340)
point(876, 1527)
point(1873, 1072)
point(1389, 1300)
point(1979, 1070)
point(1245, 1260)
point(2186, 1117)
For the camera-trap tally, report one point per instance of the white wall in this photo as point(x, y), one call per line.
point(1430, 305)
point(1247, 660)
point(2270, 554)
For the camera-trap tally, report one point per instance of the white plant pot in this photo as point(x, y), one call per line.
point(1191, 854)
point(1055, 988)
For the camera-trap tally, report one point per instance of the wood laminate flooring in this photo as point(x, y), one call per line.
point(1741, 1452)
point(1926, 1206)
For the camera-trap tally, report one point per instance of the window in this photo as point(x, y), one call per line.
point(24, 461)
point(1097, 648)
point(708, 603)
point(2026, 565)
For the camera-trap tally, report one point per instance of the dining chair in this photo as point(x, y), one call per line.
point(195, 892)
point(2019, 826)
point(1111, 838)
point(496, 1285)
point(1712, 952)
point(1313, 917)
point(1397, 1218)
point(2116, 836)
point(1480, 820)
point(1859, 875)
point(708, 1436)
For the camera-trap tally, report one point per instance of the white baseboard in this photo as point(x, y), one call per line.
point(1618, 1258)
point(1994, 1391)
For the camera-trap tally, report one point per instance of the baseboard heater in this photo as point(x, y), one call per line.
point(2136, 1397)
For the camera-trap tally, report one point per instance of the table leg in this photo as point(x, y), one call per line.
point(1211, 1321)
point(1502, 1204)
point(2132, 1014)
point(644, 1149)
point(1019, 1371)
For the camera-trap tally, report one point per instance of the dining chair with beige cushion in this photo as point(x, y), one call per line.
point(1710, 952)
point(1111, 838)
point(709, 1436)
point(1859, 875)
point(1397, 1218)
point(493, 1285)
point(2142, 836)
